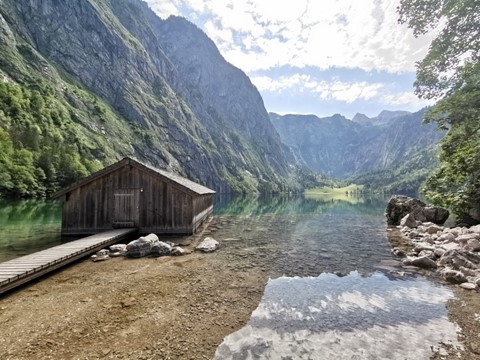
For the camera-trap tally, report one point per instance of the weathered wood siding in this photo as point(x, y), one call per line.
point(202, 208)
point(131, 197)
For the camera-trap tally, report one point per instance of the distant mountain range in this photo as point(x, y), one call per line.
point(394, 147)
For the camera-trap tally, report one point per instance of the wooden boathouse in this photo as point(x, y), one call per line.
point(130, 194)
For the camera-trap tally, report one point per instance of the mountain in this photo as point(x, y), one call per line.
point(394, 149)
point(385, 117)
point(84, 83)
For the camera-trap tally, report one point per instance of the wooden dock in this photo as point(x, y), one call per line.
point(18, 271)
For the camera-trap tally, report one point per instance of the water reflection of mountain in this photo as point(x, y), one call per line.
point(29, 212)
point(28, 226)
point(295, 204)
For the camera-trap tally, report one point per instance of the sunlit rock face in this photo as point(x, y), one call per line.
point(350, 317)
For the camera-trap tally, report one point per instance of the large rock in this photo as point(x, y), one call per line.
point(161, 249)
point(399, 206)
point(208, 245)
point(435, 214)
point(142, 246)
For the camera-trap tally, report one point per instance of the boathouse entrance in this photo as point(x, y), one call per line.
point(126, 208)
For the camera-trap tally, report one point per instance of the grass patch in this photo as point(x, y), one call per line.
point(327, 190)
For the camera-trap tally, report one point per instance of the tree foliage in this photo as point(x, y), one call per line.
point(456, 184)
point(39, 149)
point(450, 72)
point(456, 45)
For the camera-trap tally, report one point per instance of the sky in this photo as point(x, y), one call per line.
point(317, 57)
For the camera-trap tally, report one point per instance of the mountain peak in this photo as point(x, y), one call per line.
point(361, 118)
point(387, 115)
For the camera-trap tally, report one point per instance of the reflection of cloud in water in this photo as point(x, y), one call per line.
point(351, 317)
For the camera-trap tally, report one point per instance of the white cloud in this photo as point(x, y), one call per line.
point(323, 34)
point(334, 90)
point(405, 100)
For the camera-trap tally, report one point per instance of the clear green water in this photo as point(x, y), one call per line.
point(27, 227)
point(335, 292)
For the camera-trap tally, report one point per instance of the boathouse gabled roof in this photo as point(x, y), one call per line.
point(189, 185)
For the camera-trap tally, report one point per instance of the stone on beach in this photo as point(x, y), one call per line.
point(446, 237)
point(459, 257)
point(161, 249)
point(101, 255)
point(433, 229)
point(423, 262)
point(453, 276)
point(468, 286)
point(118, 248)
point(178, 251)
point(142, 246)
point(472, 245)
point(423, 246)
point(208, 245)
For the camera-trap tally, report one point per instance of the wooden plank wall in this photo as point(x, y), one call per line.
point(163, 207)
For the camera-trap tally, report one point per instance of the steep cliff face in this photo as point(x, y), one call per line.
point(339, 147)
point(171, 99)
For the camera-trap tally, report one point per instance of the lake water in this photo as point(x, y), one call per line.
point(28, 226)
point(335, 292)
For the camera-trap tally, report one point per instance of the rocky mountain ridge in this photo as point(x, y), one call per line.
point(367, 149)
point(132, 84)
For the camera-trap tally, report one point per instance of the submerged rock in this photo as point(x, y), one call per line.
point(208, 245)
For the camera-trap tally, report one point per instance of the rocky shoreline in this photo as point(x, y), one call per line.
point(454, 253)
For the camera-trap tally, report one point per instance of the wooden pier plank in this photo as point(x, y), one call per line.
point(18, 271)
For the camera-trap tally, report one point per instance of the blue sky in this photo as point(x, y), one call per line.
point(314, 56)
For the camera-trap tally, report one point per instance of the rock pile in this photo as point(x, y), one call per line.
point(453, 252)
point(150, 245)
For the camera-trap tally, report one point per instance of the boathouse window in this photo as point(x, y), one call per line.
point(67, 196)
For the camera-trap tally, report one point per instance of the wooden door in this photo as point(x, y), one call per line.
point(126, 209)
